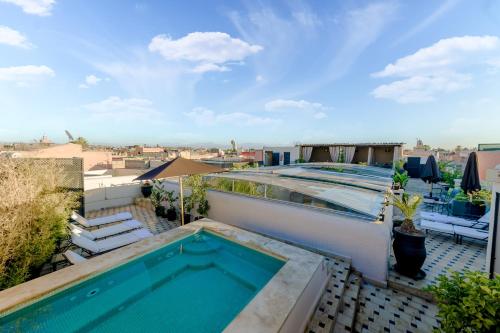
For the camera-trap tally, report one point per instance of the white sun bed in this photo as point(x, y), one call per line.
point(110, 243)
point(437, 226)
point(73, 257)
point(111, 230)
point(470, 232)
point(430, 216)
point(101, 220)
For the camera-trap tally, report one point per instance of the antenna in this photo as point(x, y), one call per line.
point(70, 137)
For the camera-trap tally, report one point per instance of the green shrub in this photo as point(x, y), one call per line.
point(468, 302)
point(33, 217)
point(400, 178)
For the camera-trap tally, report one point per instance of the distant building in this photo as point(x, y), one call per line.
point(92, 160)
point(488, 158)
point(376, 154)
point(281, 155)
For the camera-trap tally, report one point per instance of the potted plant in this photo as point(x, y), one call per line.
point(171, 211)
point(400, 180)
point(146, 189)
point(470, 204)
point(468, 302)
point(157, 198)
point(409, 243)
point(188, 207)
point(198, 195)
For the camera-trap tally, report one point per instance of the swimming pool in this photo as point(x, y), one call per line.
point(196, 284)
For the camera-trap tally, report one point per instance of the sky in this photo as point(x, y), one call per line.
point(259, 72)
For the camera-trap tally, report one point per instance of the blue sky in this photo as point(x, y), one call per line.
point(206, 72)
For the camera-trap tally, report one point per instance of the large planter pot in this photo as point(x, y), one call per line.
point(466, 208)
point(187, 218)
point(171, 214)
point(160, 211)
point(410, 253)
point(146, 190)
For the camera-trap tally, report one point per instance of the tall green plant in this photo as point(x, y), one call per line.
point(198, 197)
point(468, 302)
point(34, 212)
point(408, 206)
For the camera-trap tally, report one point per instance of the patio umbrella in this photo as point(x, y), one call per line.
point(179, 167)
point(470, 180)
point(430, 174)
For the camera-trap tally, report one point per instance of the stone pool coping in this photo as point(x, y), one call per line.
point(266, 312)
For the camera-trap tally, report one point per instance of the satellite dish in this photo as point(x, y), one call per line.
point(70, 137)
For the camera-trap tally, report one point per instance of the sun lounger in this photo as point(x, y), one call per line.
point(101, 220)
point(437, 226)
point(110, 243)
point(479, 224)
point(470, 233)
point(111, 230)
point(73, 257)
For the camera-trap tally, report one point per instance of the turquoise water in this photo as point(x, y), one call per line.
point(197, 284)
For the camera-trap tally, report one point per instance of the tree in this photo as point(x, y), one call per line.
point(81, 141)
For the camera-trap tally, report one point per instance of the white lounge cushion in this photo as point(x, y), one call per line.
point(485, 218)
point(80, 231)
point(84, 242)
point(430, 216)
point(98, 246)
point(73, 257)
point(101, 220)
point(116, 229)
point(106, 231)
point(471, 232)
point(437, 226)
point(123, 239)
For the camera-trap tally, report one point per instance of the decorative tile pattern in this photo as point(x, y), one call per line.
point(349, 305)
point(389, 310)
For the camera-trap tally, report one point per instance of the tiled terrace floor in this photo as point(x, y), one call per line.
point(142, 214)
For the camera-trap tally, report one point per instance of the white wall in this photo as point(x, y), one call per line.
point(367, 244)
point(293, 150)
point(111, 196)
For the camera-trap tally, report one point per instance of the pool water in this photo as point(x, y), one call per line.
point(197, 284)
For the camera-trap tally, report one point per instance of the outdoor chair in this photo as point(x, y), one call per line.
point(108, 231)
point(73, 257)
point(100, 220)
point(474, 233)
point(107, 244)
point(440, 227)
point(482, 223)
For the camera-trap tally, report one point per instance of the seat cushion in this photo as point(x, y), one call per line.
point(110, 219)
point(437, 226)
point(471, 232)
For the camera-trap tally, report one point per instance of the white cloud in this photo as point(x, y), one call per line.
point(259, 78)
point(90, 80)
point(123, 108)
point(13, 37)
point(208, 49)
point(421, 88)
point(23, 75)
point(320, 115)
point(206, 117)
point(437, 68)
point(35, 7)
point(203, 68)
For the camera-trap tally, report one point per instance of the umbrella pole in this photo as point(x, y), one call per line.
point(182, 200)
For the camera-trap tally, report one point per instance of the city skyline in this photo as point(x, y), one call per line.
point(269, 73)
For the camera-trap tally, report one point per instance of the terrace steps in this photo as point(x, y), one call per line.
point(327, 310)
point(349, 305)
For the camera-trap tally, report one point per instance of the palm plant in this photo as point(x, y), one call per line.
point(408, 206)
